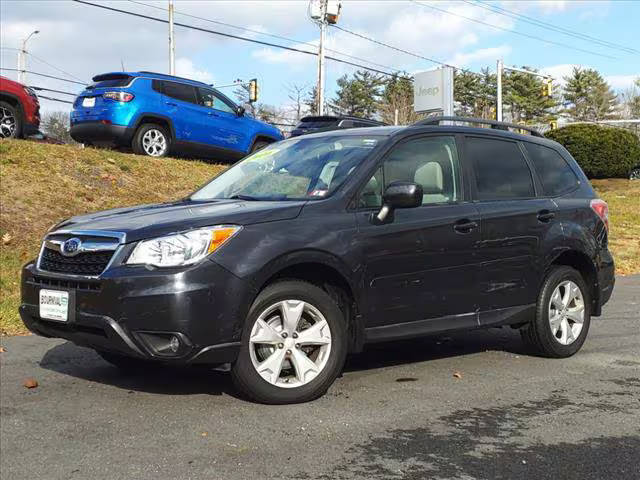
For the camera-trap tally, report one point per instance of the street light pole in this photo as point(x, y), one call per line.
point(22, 59)
point(172, 42)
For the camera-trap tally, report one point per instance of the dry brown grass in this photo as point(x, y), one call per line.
point(43, 184)
point(623, 198)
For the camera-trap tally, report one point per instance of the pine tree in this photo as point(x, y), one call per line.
point(589, 95)
point(358, 95)
point(523, 94)
point(398, 95)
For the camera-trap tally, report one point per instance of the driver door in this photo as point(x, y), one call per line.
point(220, 126)
point(421, 267)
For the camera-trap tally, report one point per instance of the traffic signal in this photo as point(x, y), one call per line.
point(546, 87)
point(253, 90)
point(553, 124)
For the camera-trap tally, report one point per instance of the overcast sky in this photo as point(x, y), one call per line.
point(84, 40)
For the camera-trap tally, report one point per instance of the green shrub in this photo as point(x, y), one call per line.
point(602, 152)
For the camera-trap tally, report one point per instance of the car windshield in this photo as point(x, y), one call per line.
point(294, 169)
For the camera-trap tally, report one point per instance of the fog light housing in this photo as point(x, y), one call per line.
point(165, 344)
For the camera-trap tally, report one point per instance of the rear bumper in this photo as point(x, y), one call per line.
point(96, 131)
point(606, 280)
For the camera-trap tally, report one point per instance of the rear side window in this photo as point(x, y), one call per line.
point(500, 168)
point(555, 173)
point(180, 91)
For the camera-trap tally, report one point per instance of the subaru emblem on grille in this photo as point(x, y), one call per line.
point(71, 247)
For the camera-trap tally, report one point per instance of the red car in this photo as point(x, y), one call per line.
point(19, 110)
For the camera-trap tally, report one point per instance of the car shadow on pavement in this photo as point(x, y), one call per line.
point(435, 347)
point(85, 364)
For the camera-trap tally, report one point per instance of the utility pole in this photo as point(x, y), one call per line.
point(323, 30)
point(172, 42)
point(500, 67)
point(323, 12)
point(22, 59)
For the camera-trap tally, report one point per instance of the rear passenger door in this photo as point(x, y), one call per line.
point(514, 223)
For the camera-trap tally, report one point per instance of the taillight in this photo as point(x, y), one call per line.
point(118, 96)
point(602, 210)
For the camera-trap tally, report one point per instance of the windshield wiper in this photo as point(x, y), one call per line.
point(244, 197)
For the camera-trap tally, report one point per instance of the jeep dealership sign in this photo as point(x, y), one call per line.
point(433, 91)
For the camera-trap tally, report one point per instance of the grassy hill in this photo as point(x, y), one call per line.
point(42, 184)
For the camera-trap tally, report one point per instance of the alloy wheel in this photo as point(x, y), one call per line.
point(566, 312)
point(290, 343)
point(154, 142)
point(7, 123)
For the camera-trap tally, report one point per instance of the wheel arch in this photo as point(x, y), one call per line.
point(261, 137)
point(585, 265)
point(162, 120)
point(327, 272)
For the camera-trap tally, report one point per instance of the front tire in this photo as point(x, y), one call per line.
point(294, 344)
point(10, 121)
point(563, 315)
point(151, 140)
point(258, 145)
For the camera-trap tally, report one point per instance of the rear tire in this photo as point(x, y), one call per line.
point(10, 121)
point(305, 361)
point(152, 140)
point(635, 173)
point(554, 332)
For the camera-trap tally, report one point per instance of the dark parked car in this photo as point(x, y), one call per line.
point(156, 114)
point(319, 244)
point(19, 110)
point(315, 124)
point(634, 174)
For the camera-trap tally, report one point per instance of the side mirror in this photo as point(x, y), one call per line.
point(240, 110)
point(398, 195)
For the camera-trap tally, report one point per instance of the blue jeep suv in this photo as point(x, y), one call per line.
point(155, 114)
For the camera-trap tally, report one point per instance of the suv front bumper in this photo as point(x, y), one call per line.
point(127, 309)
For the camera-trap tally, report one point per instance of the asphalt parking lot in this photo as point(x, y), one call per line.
point(398, 412)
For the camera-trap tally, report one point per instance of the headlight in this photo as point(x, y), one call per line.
point(182, 248)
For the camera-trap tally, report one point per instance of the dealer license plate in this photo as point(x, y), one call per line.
point(54, 305)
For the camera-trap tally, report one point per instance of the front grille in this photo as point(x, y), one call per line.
point(91, 286)
point(87, 263)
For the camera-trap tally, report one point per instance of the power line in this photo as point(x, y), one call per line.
point(515, 32)
point(236, 37)
point(280, 37)
point(43, 75)
point(50, 90)
point(549, 26)
point(44, 61)
point(55, 99)
point(373, 40)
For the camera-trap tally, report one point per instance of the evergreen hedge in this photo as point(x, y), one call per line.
point(601, 151)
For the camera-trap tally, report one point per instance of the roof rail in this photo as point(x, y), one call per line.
point(170, 76)
point(494, 124)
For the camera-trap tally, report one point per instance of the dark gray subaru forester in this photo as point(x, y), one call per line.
point(317, 245)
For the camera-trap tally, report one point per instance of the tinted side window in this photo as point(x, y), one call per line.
point(180, 91)
point(501, 170)
point(555, 173)
point(156, 85)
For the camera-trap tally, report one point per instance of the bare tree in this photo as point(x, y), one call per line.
point(56, 125)
point(297, 94)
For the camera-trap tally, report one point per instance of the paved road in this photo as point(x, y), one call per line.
point(396, 413)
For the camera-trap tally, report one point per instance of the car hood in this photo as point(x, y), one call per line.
point(148, 221)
